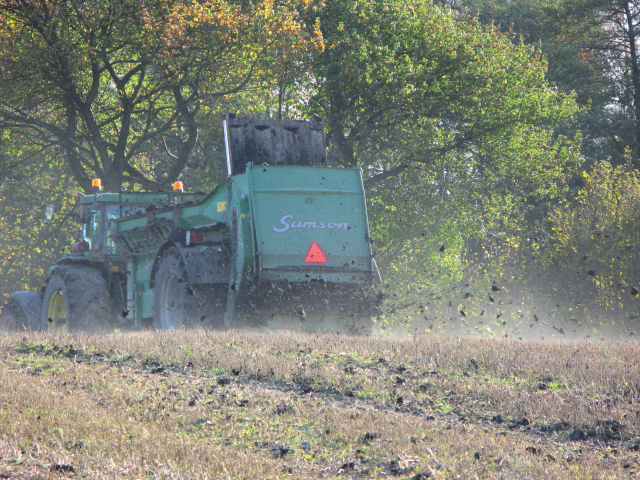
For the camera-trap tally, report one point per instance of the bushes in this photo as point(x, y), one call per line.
point(596, 235)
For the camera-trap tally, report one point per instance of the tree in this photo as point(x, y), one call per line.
point(28, 247)
point(121, 90)
point(452, 121)
point(620, 20)
point(592, 47)
point(116, 87)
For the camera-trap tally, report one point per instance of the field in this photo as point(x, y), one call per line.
point(247, 405)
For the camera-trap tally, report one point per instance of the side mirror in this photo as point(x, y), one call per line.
point(48, 214)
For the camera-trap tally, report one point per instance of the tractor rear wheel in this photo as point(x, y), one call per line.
point(76, 299)
point(21, 312)
point(177, 304)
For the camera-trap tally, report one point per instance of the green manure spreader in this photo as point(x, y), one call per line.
point(285, 239)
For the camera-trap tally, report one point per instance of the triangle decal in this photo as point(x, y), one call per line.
point(315, 255)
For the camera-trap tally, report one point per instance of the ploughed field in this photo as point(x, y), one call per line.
point(207, 404)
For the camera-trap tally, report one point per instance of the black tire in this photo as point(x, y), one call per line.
point(21, 312)
point(76, 299)
point(176, 304)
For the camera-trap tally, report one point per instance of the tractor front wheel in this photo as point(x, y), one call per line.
point(21, 312)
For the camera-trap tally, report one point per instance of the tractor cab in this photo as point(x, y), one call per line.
point(97, 213)
point(95, 219)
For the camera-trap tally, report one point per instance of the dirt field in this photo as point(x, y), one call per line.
point(204, 404)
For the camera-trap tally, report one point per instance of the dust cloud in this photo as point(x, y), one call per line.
point(532, 310)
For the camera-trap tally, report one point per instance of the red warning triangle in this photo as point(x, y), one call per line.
point(315, 254)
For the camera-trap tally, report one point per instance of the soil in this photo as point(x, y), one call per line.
point(211, 404)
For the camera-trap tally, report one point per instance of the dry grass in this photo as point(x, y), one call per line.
point(203, 404)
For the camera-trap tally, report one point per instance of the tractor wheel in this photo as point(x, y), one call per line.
point(76, 299)
point(177, 304)
point(21, 312)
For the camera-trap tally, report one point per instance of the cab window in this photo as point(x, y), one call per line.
point(91, 227)
point(112, 212)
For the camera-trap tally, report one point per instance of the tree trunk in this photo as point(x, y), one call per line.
point(632, 38)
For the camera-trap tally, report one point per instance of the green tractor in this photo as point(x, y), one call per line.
point(285, 237)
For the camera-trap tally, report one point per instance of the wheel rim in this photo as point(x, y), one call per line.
point(57, 314)
point(170, 305)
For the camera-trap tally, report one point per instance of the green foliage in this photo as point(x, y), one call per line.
point(408, 82)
